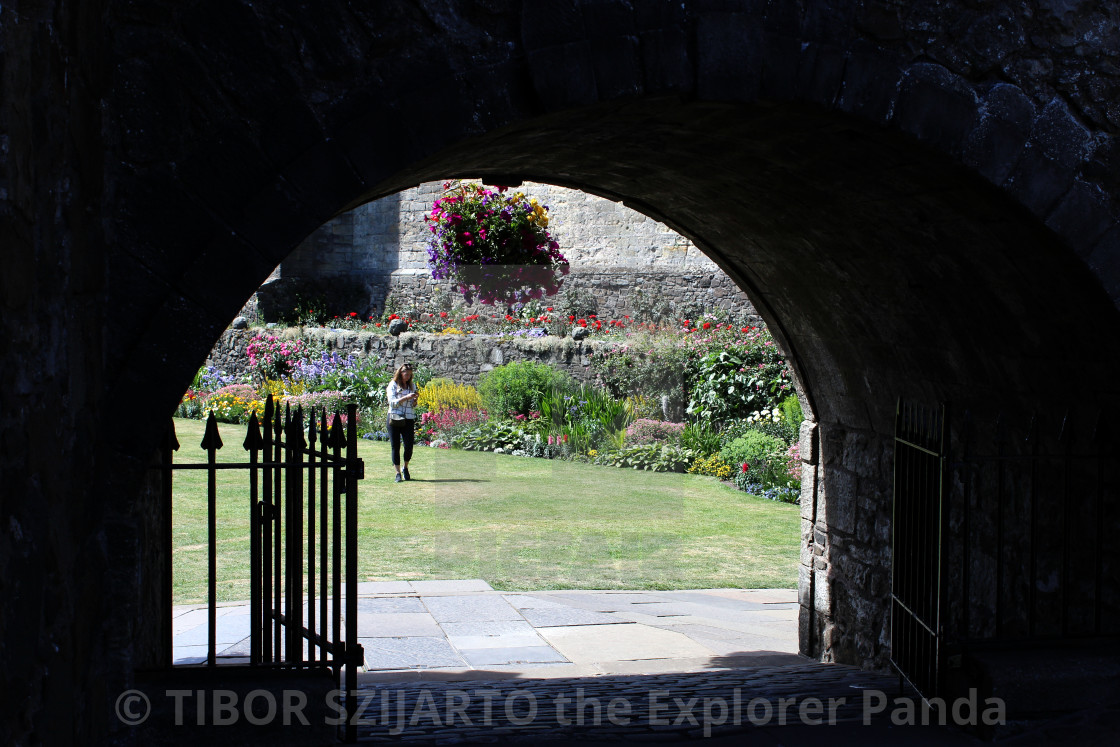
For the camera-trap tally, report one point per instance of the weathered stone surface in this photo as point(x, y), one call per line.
point(396, 328)
point(153, 172)
point(375, 257)
point(460, 359)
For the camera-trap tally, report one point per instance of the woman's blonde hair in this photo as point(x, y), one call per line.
point(399, 377)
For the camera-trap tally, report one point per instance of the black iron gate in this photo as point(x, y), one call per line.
point(1002, 544)
point(303, 501)
point(919, 526)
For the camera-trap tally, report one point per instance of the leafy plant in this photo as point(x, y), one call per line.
point(193, 405)
point(763, 459)
point(792, 415)
point(701, 437)
point(736, 383)
point(653, 457)
point(784, 493)
point(493, 435)
point(518, 387)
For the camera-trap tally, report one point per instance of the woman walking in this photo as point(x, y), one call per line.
point(402, 395)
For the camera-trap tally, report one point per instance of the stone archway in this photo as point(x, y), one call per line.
point(906, 220)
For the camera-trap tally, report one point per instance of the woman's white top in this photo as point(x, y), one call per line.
point(397, 395)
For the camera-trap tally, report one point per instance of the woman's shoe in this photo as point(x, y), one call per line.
point(397, 478)
point(405, 473)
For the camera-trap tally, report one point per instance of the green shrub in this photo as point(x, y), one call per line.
point(517, 388)
point(737, 382)
point(765, 457)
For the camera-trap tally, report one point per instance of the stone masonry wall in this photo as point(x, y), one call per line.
point(380, 249)
point(460, 358)
point(844, 571)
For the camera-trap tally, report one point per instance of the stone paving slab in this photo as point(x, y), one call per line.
point(385, 605)
point(488, 657)
point(714, 600)
point(529, 602)
point(606, 601)
point(431, 627)
point(491, 634)
point(747, 644)
point(593, 643)
point(442, 587)
point(384, 587)
point(229, 629)
point(453, 609)
point(712, 632)
point(397, 624)
point(410, 653)
point(544, 618)
point(190, 654)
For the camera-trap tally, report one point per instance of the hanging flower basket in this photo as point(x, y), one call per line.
point(494, 246)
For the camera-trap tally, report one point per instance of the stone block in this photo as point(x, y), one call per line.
point(937, 106)
point(808, 442)
point(840, 488)
point(822, 591)
point(1082, 216)
point(810, 498)
point(729, 63)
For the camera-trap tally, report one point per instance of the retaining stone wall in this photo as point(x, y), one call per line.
point(460, 358)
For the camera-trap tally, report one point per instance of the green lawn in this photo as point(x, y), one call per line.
point(518, 523)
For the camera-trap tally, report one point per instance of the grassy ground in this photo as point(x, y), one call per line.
point(518, 523)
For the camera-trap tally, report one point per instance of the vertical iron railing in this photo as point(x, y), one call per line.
point(285, 491)
point(919, 524)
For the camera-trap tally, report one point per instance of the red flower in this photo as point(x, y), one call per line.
point(582, 322)
point(746, 466)
point(550, 308)
point(745, 330)
point(443, 315)
point(707, 325)
point(571, 318)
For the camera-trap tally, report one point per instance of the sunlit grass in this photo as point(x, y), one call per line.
point(519, 523)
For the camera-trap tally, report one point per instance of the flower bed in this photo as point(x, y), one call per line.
point(729, 382)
